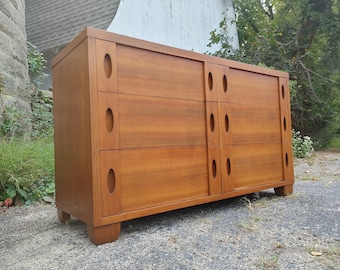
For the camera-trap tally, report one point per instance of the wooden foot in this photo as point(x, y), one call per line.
point(63, 217)
point(103, 234)
point(284, 191)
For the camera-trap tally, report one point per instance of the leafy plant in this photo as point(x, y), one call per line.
point(36, 65)
point(42, 107)
point(26, 170)
point(13, 122)
point(27, 156)
point(302, 145)
point(42, 117)
point(302, 38)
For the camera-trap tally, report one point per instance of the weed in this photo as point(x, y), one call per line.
point(26, 170)
point(257, 219)
point(269, 263)
point(294, 195)
point(42, 117)
point(13, 122)
point(254, 200)
point(302, 145)
point(247, 202)
point(26, 154)
point(249, 226)
point(206, 221)
point(36, 65)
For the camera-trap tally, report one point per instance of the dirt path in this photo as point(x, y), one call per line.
point(260, 231)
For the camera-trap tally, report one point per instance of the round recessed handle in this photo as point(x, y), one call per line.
point(210, 81)
point(284, 124)
point(226, 123)
point(212, 123)
point(228, 166)
point(225, 84)
point(214, 169)
point(109, 120)
point(107, 65)
point(111, 181)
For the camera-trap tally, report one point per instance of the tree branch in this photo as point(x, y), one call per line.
point(308, 75)
point(316, 74)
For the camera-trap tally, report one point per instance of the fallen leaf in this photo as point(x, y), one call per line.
point(8, 202)
point(316, 253)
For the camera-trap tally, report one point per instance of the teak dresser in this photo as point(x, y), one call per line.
point(142, 128)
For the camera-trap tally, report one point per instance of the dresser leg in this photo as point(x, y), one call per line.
point(284, 191)
point(103, 234)
point(63, 217)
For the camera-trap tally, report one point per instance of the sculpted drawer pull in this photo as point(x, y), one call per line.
point(107, 66)
point(111, 181)
point(212, 123)
point(109, 120)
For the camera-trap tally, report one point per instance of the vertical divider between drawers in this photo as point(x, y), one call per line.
point(108, 114)
point(213, 129)
point(226, 124)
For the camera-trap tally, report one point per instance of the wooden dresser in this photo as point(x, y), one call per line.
point(142, 128)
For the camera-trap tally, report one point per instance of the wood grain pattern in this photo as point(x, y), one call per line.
point(108, 118)
point(142, 128)
point(251, 88)
point(106, 66)
point(110, 183)
point(72, 122)
point(254, 124)
point(162, 175)
point(227, 169)
point(160, 122)
point(143, 72)
point(256, 164)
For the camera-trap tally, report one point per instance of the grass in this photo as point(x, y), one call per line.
point(247, 225)
point(26, 169)
point(269, 262)
point(334, 144)
point(327, 255)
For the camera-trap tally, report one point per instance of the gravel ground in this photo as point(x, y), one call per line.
point(259, 231)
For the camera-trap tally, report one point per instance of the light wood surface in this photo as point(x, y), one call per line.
point(142, 128)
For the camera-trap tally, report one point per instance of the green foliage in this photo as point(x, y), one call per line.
point(334, 143)
point(302, 38)
point(302, 145)
point(2, 85)
point(27, 158)
point(26, 169)
point(13, 122)
point(42, 117)
point(36, 65)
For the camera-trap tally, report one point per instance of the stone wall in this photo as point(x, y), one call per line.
point(13, 56)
